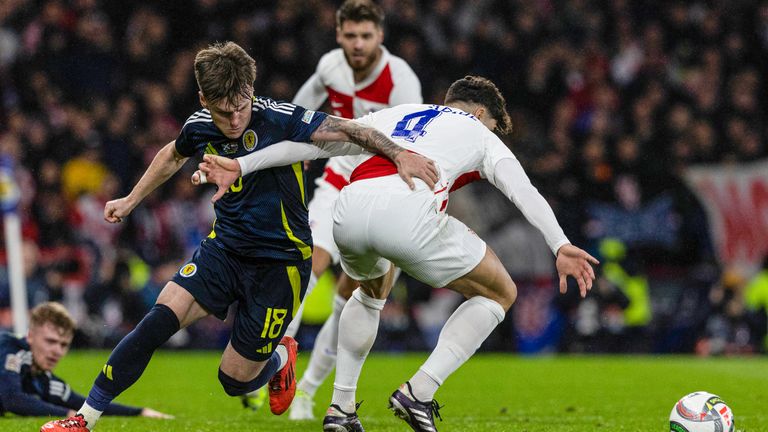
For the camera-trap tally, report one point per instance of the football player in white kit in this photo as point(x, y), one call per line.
point(358, 78)
point(380, 223)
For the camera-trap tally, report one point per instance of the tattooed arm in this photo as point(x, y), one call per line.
point(329, 139)
point(409, 164)
point(340, 129)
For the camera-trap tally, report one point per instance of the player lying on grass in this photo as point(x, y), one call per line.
point(378, 223)
point(28, 386)
point(258, 255)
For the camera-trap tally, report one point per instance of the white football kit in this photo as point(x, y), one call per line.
point(392, 82)
point(378, 219)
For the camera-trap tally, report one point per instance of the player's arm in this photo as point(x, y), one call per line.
point(66, 397)
point(15, 400)
point(75, 401)
point(510, 178)
point(166, 162)
point(409, 164)
point(331, 138)
point(312, 93)
point(224, 172)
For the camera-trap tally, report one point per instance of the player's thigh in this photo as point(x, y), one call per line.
point(212, 278)
point(379, 287)
point(182, 303)
point(238, 367)
point(321, 260)
point(345, 285)
point(269, 298)
point(488, 279)
point(443, 250)
point(372, 230)
point(321, 223)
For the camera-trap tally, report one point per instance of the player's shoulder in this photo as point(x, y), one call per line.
point(331, 61)
point(397, 64)
point(199, 120)
point(10, 343)
point(266, 106)
point(406, 109)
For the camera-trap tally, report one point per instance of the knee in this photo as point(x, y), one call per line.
point(232, 386)
point(507, 295)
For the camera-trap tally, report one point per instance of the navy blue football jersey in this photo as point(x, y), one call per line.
point(26, 393)
point(264, 214)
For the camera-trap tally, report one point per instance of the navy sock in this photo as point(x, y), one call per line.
point(131, 356)
point(234, 387)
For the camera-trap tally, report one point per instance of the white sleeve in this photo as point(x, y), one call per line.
point(509, 177)
point(407, 89)
point(290, 152)
point(312, 94)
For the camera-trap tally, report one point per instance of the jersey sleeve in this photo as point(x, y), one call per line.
point(184, 145)
point(312, 93)
point(294, 122)
point(290, 152)
point(503, 170)
point(407, 87)
point(15, 400)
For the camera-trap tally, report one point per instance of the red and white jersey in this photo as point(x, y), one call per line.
point(461, 146)
point(457, 141)
point(391, 83)
point(463, 149)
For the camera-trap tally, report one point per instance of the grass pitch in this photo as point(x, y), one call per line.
point(489, 393)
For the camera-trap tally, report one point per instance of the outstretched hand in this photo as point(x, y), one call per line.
point(575, 262)
point(221, 171)
point(410, 165)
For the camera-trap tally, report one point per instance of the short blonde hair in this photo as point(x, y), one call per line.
point(54, 313)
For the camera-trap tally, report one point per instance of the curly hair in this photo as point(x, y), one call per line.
point(482, 91)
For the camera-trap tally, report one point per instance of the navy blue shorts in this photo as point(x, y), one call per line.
point(268, 294)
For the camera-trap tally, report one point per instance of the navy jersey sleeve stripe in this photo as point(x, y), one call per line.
point(297, 122)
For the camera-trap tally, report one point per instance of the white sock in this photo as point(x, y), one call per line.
point(282, 351)
point(323, 357)
point(90, 414)
point(463, 333)
point(358, 326)
point(293, 327)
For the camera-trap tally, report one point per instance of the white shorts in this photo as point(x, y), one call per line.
point(321, 218)
point(377, 222)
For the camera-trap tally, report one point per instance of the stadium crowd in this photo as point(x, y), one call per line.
point(611, 100)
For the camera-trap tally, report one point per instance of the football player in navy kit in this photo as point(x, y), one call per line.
point(28, 386)
point(259, 251)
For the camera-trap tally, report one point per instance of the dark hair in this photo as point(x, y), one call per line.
point(54, 313)
point(359, 10)
point(224, 71)
point(481, 91)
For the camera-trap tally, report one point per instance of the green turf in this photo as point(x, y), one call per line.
point(489, 393)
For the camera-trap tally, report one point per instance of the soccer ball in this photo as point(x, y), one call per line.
point(701, 412)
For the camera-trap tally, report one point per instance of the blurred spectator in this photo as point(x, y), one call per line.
point(756, 299)
point(727, 329)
